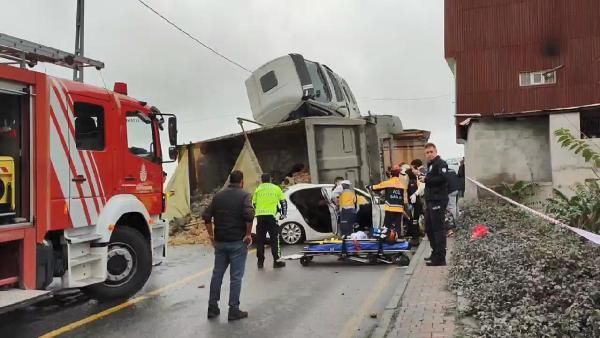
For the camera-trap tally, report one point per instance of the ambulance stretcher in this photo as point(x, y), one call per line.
point(367, 251)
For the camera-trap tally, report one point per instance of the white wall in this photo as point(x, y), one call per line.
point(505, 151)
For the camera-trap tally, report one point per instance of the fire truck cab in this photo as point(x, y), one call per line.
point(81, 181)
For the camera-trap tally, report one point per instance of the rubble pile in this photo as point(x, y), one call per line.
point(526, 278)
point(296, 178)
point(190, 229)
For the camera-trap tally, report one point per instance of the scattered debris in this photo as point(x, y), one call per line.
point(296, 178)
point(373, 315)
point(201, 286)
point(190, 229)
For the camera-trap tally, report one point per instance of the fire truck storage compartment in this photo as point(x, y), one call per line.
point(14, 154)
point(9, 262)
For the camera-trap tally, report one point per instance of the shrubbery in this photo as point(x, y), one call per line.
point(526, 278)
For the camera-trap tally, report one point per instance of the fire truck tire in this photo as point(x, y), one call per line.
point(129, 265)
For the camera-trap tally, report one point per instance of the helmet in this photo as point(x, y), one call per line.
point(404, 169)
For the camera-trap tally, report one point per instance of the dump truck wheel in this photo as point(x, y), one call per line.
point(129, 264)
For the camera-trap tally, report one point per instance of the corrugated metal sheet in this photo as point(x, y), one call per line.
point(492, 41)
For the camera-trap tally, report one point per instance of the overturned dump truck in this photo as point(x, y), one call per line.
point(315, 149)
point(322, 147)
point(291, 87)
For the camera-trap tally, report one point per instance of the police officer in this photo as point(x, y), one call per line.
point(436, 200)
point(268, 199)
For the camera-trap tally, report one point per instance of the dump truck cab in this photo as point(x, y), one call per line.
point(81, 168)
point(291, 87)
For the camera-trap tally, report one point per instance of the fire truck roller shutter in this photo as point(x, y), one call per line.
point(129, 253)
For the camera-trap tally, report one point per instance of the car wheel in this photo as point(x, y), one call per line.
point(292, 233)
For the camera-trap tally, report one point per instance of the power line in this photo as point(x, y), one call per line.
point(194, 38)
point(408, 98)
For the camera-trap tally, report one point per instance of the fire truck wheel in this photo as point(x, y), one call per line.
point(129, 263)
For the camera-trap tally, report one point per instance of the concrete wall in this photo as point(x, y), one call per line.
point(568, 168)
point(505, 151)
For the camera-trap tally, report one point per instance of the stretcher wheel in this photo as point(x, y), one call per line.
point(305, 261)
point(403, 260)
point(372, 259)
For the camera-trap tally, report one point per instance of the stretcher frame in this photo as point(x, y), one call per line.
point(400, 257)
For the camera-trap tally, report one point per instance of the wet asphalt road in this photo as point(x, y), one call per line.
point(326, 299)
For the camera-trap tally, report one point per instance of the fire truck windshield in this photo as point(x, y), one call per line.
point(140, 139)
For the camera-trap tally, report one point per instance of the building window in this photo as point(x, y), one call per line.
point(543, 77)
point(590, 124)
point(89, 126)
point(268, 81)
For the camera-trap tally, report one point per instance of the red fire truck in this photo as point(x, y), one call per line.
point(81, 181)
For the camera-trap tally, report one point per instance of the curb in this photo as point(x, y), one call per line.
point(395, 302)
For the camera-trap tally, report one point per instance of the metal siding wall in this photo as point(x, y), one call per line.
point(493, 41)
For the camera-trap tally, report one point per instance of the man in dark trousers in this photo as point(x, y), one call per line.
point(268, 200)
point(436, 201)
point(232, 212)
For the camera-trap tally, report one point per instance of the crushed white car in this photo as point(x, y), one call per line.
point(311, 216)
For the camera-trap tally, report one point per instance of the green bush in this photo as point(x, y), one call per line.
point(526, 278)
point(519, 191)
point(582, 210)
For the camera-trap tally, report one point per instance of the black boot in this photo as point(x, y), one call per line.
point(237, 314)
point(278, 264)
point(213, 312)
point(260, 264)
point(428, 258)
point(414, 242)
point(436, 263)
point(438, 257)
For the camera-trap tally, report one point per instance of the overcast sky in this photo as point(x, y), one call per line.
point(383, 48)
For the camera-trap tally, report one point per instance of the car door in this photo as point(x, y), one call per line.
point(326, 192)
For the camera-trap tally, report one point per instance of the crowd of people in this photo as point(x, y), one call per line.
point(410, 191)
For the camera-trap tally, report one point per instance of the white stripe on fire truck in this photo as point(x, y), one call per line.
point(90, 209)
point(60, 163)
point(90, 161)
point(66, 121)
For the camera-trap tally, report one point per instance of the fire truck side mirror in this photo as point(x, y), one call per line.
point(173, 153)
point(173, 131)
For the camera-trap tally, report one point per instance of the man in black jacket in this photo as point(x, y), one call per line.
point(232, 212)
point(436, 200)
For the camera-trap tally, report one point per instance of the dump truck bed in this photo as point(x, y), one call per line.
point(327, 146)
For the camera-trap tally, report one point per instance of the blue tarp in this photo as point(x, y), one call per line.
point(362, 245)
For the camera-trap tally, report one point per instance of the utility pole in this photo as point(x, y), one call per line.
point(78, 71)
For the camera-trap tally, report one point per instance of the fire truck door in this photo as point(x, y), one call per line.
point(87, 147)
point(142, 165)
